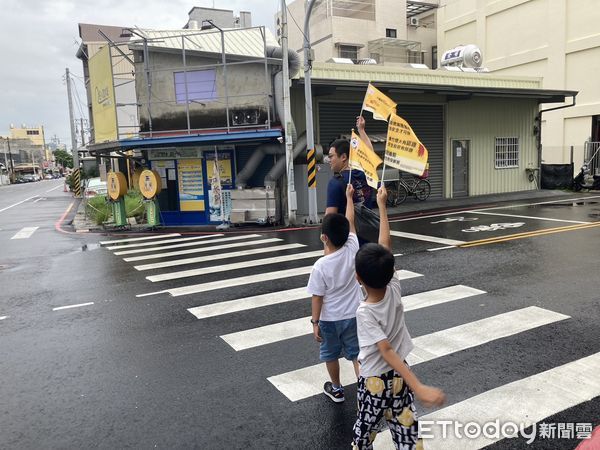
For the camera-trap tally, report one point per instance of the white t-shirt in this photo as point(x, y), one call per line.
point(333, 277)
point(378, 321)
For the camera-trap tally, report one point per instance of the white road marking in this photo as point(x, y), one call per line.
point(3, 317)
point(197, 250)
point(523, 217)
point(427, 216)
point(145, 238)
point(308, 381)
point(193, 244)
point(397, 254)
point(240, 281)
point(25, 233)
point(421, 237)
point(440, 248)
point(243, 304)
point(564, 200)
point(199, 259)
point(38, 199)
point(524, 402)
point(280, 331)
point(55, 188)
point(18, 203)
point(166, 241)
point(72, 306)
point(233, 266)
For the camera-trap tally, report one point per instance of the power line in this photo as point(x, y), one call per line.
point(296, 23)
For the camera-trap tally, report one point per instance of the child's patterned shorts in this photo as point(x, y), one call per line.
point(386, 397)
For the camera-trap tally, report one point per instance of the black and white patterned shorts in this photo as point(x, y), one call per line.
point(387, 397)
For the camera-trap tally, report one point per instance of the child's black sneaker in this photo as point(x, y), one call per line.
point(335, 394)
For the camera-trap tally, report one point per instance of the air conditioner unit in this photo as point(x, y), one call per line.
point(413, 21)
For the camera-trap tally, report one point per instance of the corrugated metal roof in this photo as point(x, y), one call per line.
point(238, 41)
point(380, 73)
point(456, 85)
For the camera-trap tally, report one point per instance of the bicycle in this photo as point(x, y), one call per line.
point(399, 189)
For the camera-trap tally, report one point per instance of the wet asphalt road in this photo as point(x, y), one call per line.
point(142, 372)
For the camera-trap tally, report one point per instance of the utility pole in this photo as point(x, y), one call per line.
point(310, 134)
point(289, 145)
point(72, 121)
point(12, 164)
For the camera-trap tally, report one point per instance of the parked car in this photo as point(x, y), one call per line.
point(95, 186)
point(48, 177)
point(29, 177)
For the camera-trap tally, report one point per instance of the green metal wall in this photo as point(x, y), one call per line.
point(482, 120)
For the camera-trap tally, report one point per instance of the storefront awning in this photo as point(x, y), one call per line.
point(246, 137)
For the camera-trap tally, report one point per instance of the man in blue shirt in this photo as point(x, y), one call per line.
point(339, 154)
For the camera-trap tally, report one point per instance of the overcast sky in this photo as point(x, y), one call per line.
point(39, 39)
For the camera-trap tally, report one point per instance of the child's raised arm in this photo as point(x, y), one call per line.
point(385, 239)
point(350, 207)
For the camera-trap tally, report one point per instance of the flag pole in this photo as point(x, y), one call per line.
point(349, 152)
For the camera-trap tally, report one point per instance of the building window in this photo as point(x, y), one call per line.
point(434, 57)
point(390, 33)
point(507, 152)
point(33, 132)
point(349, 51)
point(200, 86)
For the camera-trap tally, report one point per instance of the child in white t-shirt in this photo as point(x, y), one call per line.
point(386, 385)
point(335, 296)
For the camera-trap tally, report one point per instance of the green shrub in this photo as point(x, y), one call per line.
point(133, 204)
point(98, 209)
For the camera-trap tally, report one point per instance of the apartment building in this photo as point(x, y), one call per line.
point(388, 32)
point(558, 40)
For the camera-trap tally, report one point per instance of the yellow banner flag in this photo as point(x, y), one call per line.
point(403, 149)
point(378, 103)
point(365, 159)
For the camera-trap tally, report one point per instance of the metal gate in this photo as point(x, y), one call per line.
point(427, 121)
point(592, 157)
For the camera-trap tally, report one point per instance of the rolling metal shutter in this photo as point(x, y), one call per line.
point(427, 121)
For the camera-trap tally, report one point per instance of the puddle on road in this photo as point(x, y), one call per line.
point(566, 204)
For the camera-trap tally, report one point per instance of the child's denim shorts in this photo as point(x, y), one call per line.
point(339, 337)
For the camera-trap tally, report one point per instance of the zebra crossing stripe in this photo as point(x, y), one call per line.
point(166, 241)
point(199, 259)
point(188, 244)
point(415, 301)
point(308, 381)
point(199, 250)
point(233, 266)
point(523, 402)
point(239, 281)
point(243, 304)
point(280, 331)
point(145, 238)
point(421, 237)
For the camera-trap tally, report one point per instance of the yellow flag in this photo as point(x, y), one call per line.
point(403, 149)
point(365, 159)
point(378, 103)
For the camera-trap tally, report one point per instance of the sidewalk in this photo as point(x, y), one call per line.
point(410, 208)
